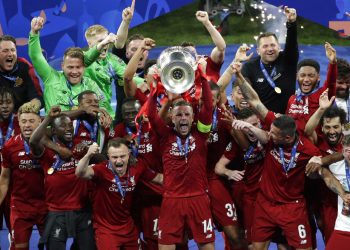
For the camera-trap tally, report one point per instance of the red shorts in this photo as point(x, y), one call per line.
point(237, 191)
point(194, 213)
point(22, 223)
point(329, 215)
point(111, 241)
point(149, 219)
point(338, 241)
point(222, 206)
point(248, 212)
point(292, 218)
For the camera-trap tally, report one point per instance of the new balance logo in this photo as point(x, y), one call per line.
point(21, 153)
point(302, 242)
point(209, 236)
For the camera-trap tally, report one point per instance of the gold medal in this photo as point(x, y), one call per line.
point(18, 81)
point(278, 90)
point(74, 108)
point(50, 171)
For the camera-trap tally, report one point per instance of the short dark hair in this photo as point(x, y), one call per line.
point(187, 44)
point(134, 37)
point(343, 68)
point(8, 38)
point(118, 142)
point(333, 112)
point(149, 63)
point(286, 125)
point(266, 34)
point(56, 122)
point(85, 92)
point(4, 91)
point(309, 62)
point(245, 113)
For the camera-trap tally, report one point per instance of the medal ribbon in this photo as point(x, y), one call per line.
point(134, 148)
point(267, 76)
point(183, 149)
point(292, 158)
point(300, 94)
point(249, 151)
point(215, 120)
point(347, 174)
point(117, 181)
point(111, 73)
point(92, 130)
point(8, 132)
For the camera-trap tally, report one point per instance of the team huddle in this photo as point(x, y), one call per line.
point(164, 168)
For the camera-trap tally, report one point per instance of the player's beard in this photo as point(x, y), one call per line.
point(343, 94)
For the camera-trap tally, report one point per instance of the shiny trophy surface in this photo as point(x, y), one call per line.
point(177, 67)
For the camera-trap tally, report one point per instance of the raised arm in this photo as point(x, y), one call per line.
point(151, 111)
point(83, 170)
point(35, 141)
point(249, 93)
point(332, 72)
point(205, 115)
point(40, 64)
point(291, 47)
point(123, 29)
point(312, 123)
point(218, 53)
point(130, 86)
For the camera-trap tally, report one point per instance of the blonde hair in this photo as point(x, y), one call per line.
point(28, 108)
point(94, 30)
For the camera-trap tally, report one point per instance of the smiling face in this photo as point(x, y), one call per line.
point(73, 69)
point(63, 128)
point(308, 78)
point(332, 129)
point(28, 122)
point(8, 55)
point(182, 118)
point(268, 49)
point(238, 98)
point(119, 157)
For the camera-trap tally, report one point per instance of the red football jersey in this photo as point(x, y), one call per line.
point(63, 189)
point(27, 176)
point(303, 109)
point(109, 212)
point(219, 138)
point(279, 186)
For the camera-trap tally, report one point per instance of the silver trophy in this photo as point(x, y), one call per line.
point(177, 67)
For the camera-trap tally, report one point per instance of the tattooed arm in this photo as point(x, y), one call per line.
point(332, 182)
point(251, 96)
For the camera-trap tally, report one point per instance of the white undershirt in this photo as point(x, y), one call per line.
point(338, 169)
